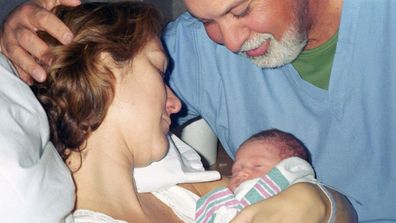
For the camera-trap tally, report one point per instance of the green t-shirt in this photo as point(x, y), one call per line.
point(314, 65)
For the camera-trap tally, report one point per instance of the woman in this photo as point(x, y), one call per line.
point(109, 108)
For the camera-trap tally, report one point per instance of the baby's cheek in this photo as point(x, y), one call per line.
point(233, 183)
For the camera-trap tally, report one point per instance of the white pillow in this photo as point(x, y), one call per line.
point(35, 185)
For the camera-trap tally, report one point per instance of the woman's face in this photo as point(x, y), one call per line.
point(143, 104)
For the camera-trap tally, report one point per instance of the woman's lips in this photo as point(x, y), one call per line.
point(259, 51)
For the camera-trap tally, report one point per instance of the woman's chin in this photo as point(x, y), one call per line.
point(162, 150)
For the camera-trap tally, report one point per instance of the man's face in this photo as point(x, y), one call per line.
point(269, 32)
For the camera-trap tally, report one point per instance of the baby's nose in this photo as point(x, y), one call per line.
point(237, 179)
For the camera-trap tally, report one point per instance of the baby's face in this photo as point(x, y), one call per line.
point(253, 159)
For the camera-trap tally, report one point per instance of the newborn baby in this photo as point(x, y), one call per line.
point(265, 164)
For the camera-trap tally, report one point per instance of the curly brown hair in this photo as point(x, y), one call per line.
point(80, 85)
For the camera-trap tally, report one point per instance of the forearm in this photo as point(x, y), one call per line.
point(341, 209)
point(345, 211)
point(301, 202)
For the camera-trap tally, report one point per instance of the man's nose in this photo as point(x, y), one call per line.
point(232, 34)
point(173, 104)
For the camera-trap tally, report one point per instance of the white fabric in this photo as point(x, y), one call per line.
point(35, 185)
point(225, 214)
point(180, 200)
point(182, 164)
point(296, 170)
point(87, 216)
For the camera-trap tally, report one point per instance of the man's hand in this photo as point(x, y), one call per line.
point(302, 202)
point(19, 40)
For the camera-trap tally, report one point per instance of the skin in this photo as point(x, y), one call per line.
point(227, 24)
point(142, 97)
point(133, 133)
point(253, 159)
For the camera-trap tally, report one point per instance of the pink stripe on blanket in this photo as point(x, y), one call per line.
point(272, 184)
point(214, 197)
point(245, 203)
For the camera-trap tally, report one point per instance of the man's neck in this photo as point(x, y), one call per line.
point(325, 18)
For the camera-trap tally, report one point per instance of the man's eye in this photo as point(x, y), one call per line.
point(243, 13)
point(206, 21)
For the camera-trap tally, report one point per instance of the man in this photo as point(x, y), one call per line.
point(235, 65)
point(336, 96)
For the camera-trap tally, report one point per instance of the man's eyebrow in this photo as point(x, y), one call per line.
point(227, 9)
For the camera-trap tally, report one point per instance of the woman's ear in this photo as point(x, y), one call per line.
point(74, 159)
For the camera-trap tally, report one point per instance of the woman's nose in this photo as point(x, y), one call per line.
point(173, 104)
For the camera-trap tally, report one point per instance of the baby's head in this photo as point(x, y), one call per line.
point(263, 151)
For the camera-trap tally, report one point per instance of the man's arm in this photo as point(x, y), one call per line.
point(19, 40)
point(345, 211)
point(302, 202)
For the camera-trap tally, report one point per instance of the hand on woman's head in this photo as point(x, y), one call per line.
point(80, 86)
point(19, 40)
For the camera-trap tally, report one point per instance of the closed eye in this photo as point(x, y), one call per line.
point(242, 14)
point(258, 166)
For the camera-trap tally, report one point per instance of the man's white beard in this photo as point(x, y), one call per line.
point(279, 52)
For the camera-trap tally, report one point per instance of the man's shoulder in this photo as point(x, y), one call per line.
point(183, 25)
point(185, 20)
